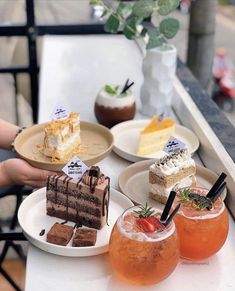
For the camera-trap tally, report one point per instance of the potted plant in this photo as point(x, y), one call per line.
point(159, 63)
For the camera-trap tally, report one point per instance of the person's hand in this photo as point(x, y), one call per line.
point(18, 171)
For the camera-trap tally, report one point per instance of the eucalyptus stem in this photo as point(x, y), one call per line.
point(129, 17)
point(123, 21)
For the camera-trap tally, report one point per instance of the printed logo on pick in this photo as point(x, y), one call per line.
point(60, 112)
point(75, 168)
point(173, 145)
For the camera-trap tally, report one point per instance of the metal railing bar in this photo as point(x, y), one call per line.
point(15, 70)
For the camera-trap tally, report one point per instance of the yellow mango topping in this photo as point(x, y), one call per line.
point(154, 125)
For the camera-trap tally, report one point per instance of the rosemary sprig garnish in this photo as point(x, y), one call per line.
point(197, 201)
point(145, 211)
point(184, 195)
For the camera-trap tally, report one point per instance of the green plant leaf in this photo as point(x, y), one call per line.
point(169, 27)
point(155, 38)
point(167, 6)
point(110, 90)
point(129, 30)
point(95, 2)
point(143, 8)
point(112, 24)
point(124, 10)
point(130, 27)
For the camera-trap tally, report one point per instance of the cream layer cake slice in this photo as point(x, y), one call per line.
point(173, 172)
point(154, 137)
point(62, 137)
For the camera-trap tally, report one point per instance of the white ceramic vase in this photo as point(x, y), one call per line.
point(159, 66)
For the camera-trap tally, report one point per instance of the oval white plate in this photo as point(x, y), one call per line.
point(33, 218)
point(134, 182)
point(126, 138)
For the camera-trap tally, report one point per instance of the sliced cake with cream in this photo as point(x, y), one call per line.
point(84, 201)
point(154, 137)
point(62, 137)
point(172, 172)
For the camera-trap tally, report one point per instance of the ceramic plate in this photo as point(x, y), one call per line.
point(133, 182)
point(33, 218)
point(97, 142)
point(126, 138)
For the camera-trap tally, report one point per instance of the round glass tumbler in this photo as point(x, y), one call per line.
point(140, 257)
point(202, 232)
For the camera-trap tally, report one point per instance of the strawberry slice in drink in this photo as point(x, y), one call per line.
point(149, 224)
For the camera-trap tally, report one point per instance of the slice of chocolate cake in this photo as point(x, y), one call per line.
point(84, 202)
point(84, 237)
point(60, 234)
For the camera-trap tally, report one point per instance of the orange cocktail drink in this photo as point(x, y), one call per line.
point(202, 231)
point(142, 250)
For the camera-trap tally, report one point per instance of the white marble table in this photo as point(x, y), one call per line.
point(73, 69)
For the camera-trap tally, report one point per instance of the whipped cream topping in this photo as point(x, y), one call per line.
point(172, 163)
point(115, 101)
point(53, 143)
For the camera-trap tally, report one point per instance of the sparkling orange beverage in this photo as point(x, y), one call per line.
point(202, 232)
point(143, 252)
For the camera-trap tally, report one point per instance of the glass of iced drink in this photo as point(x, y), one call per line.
point(142, 250)
point(202, 225)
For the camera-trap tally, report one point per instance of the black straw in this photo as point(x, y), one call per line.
point(167, 208)
point(126, 86)
point(218, 192)
point(172, 215)
point(216, 186)
point(127, 81)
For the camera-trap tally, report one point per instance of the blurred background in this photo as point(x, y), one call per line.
point(205, 44)
point(215, 38)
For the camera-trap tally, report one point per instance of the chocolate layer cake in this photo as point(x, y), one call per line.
point(84, 237)
point(60, 234)
point(84, 202)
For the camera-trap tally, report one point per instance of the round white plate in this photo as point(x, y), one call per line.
point(33, 218)
point(134, 182)
point(127, 134)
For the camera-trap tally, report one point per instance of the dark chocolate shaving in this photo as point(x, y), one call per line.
point(166, 159)
point(94, 171)
point(91, 177)
point(201, 201)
